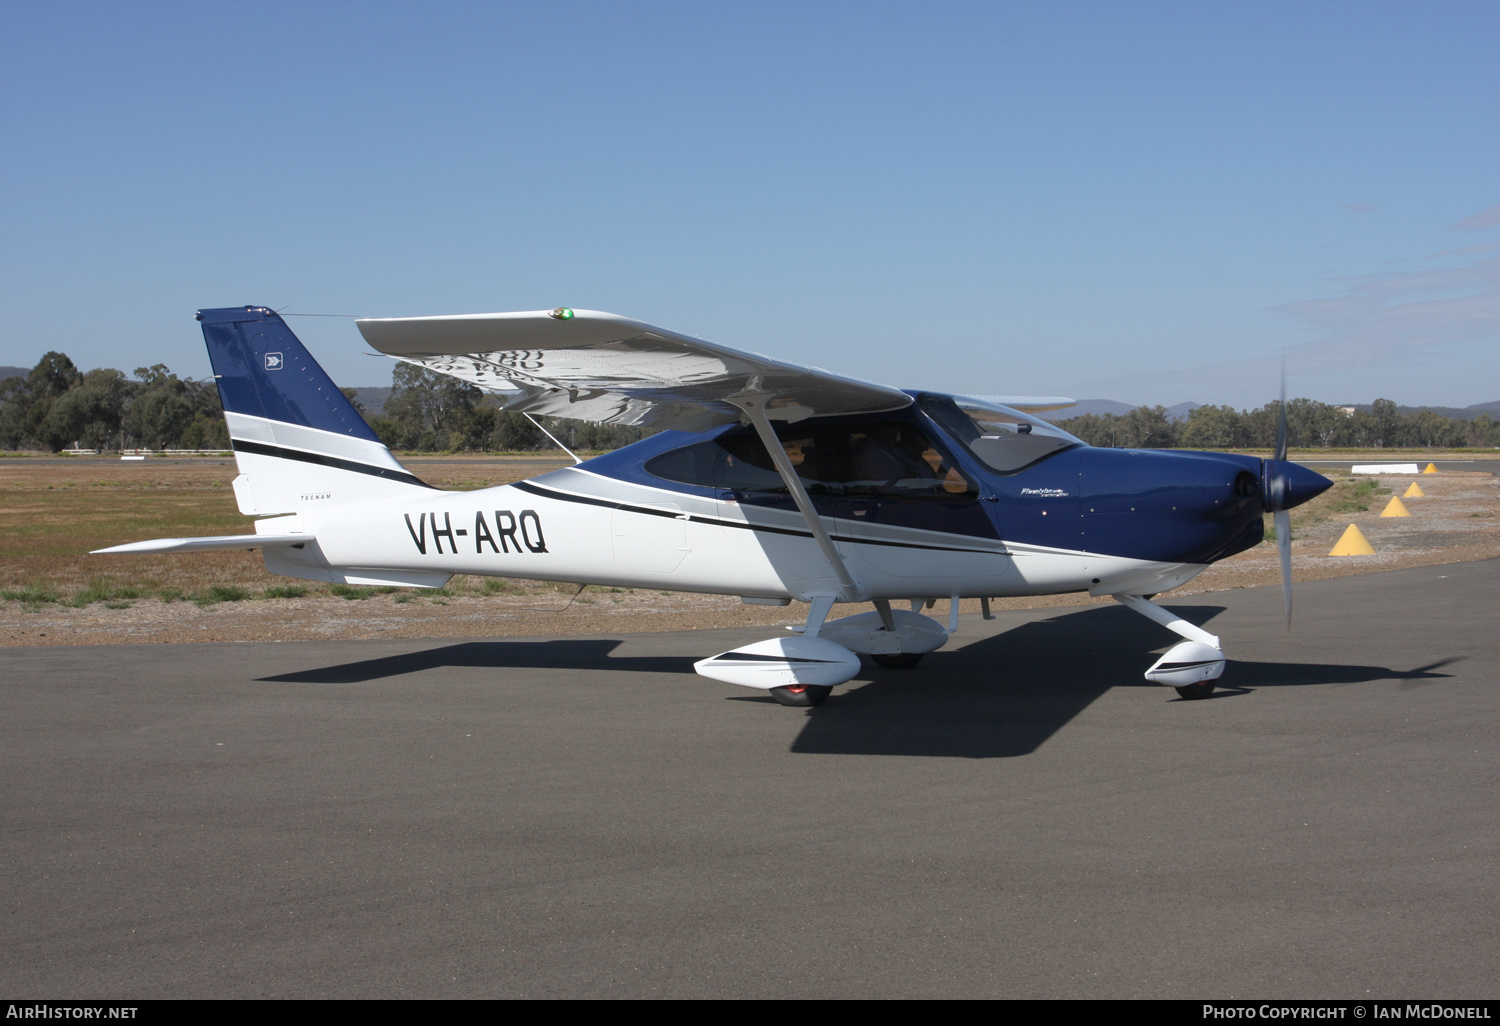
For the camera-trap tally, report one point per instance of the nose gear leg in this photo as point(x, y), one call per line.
point(1192, 665)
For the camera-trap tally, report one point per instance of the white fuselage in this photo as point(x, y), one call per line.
point(579, 526)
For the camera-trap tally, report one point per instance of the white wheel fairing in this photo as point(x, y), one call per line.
point(1188, 662)
point(780, 662)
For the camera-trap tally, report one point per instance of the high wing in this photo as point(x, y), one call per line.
point(1029, 403)
point(605, 368)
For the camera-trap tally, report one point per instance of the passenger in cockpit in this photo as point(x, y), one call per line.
point(891, 455)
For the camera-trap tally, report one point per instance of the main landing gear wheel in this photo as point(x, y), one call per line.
point(1200, 690)
point(898, 661)
point(802, 696)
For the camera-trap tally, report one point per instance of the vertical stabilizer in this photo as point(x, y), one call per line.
point(299, 443)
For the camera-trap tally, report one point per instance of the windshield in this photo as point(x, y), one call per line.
point(1002, 439)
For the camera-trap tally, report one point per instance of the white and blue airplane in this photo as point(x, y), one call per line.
point(770, 481)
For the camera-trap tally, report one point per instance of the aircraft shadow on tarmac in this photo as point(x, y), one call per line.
point(998, 697)
point(561, 654)
point(1004, 696)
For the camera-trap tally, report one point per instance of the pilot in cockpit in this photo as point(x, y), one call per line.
point(891, 454)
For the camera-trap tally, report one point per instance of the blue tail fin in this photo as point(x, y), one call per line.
point(263, 370)
point(299, 443)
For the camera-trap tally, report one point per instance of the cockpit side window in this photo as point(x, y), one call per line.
point(1003, 439)
point(883, 459)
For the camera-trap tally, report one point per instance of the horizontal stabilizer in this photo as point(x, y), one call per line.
point(231, 541)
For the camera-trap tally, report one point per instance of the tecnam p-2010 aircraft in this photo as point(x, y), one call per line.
point(770, 481)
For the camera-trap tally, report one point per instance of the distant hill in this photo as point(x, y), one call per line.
point(13, 372)
point(1180, 412)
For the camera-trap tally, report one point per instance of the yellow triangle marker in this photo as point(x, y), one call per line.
point(1414, 492)
point(1431, 469)
point(1395, 508)
point(1353, 543)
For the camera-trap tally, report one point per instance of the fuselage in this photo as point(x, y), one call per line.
point(917, 503)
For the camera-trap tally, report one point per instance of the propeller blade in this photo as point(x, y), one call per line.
point(1283, 521)
point(1281, 415)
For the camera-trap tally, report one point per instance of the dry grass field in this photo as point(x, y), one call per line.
point(52, 592)
point(52, 513)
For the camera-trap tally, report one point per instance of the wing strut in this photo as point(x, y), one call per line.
point(755, 409)
point(550, 435)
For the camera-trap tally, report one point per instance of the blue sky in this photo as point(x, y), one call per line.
point(1140, 201)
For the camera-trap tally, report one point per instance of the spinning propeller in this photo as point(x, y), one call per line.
point(1276, 490)
point(1284, 485)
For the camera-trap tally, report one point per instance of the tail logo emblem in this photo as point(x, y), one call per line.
point(273, 361)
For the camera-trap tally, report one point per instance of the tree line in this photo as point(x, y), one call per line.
point(56, 406)
point(1310, 425)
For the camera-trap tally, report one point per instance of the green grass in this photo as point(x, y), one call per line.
point(220, 593)
point(286, 591)
point(103, 591)
point(1356, 496)
point(349, 593)
point(32, 597)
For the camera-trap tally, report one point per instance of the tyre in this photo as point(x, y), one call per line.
point(899, 661)
point(1200, 690)
point(801, 696)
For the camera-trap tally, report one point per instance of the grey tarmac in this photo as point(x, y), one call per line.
point(1020, 816)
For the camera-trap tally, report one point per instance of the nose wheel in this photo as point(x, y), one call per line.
point(801, 696)
point(1200, 690)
